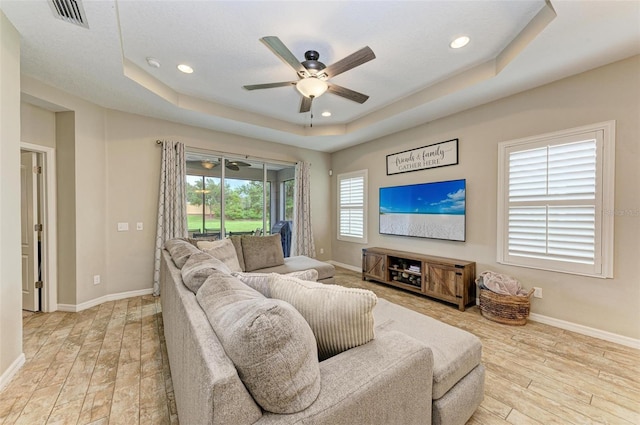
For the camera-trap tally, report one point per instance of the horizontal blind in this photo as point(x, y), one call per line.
point(352, 207)
point(551, 202)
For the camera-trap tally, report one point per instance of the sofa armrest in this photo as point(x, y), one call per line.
point(386, 381)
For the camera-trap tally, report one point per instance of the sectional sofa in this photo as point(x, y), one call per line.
point(269, 348)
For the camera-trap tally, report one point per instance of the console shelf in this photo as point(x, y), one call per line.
point(446, 279)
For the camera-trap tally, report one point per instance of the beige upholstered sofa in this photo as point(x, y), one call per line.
point(263, 254)
point(416, 370)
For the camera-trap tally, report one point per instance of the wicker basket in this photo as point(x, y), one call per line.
point(506, 309)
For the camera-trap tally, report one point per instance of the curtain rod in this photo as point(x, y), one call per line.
point(220, 153)
point(236, 155)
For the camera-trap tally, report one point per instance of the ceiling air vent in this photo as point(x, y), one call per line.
point(69, 11)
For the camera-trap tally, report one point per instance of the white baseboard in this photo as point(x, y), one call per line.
point(345, 266)
point(8, 374)
point(586, 330)
point(562, 324)
point(74, 308)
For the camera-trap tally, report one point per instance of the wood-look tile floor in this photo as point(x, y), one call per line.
point(104, 365)
point(108, 365)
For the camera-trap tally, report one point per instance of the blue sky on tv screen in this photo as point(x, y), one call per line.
point(426, 198)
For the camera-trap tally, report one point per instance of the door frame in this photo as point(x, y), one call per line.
point(48, 201)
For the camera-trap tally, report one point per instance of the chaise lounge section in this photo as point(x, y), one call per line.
point(416, 370)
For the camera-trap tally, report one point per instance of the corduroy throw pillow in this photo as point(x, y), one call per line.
point(260, 281)
point(341, 318)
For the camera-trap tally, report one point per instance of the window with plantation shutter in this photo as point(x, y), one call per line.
point(553, 193)
point(352, 206)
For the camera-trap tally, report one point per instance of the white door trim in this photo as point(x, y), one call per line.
point(50, 233)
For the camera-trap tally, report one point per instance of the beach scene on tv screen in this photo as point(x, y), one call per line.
point(428, 210)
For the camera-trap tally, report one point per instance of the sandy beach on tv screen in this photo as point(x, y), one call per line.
point(438, 226)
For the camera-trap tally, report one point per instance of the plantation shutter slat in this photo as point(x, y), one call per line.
point(351, 208)
point(551, 202)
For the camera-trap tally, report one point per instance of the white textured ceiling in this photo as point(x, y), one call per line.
point(415, 78)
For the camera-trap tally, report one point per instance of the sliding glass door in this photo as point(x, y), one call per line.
point(245, 196)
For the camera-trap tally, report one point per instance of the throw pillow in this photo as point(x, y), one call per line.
point(237, 244)
point(268, 341)
point(260, 281)
point(180, 251)
point(341, 318)
point(198, 268)
point(222, 250)
point(262, 251)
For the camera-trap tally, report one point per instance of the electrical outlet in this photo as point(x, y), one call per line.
point(139, 226)
point(96, 279)
point(123, 227)
point(537, 292)
point(321, 250)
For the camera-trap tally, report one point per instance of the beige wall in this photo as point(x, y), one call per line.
point(44, 133)
point(133, 160)
point(608, 93)
point(10, 270)
point(65, 140)
point(108, 172)
point(81, 166)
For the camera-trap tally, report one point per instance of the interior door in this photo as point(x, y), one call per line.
point(29, 205)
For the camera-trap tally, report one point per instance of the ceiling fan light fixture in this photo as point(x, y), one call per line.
point(459, 42)
point(208, 164)
point(311, 87)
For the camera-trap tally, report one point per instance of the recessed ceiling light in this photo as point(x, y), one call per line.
point(459, 42)
point(153, 62)
point(185, 68)
point(326, 114)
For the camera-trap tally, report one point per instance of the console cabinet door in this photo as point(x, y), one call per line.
point(442, 283)
point(373, 266)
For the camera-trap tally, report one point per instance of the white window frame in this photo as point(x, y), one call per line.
point(358, 207)
point(604, 201)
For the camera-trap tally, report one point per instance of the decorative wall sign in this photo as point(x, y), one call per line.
point(431, 156)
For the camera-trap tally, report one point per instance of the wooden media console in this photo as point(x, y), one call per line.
point(446, 279)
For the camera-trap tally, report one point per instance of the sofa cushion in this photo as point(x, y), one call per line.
point(262, 251)
point(302, 262)
point(237, 244)
point(455, 352)
point(341, 318)
point(198, 268)
point(269, 342)
point(180, 251)
point(224, 251)
point(260, 281)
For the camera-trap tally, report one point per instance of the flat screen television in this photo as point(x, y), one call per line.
point(433, 210)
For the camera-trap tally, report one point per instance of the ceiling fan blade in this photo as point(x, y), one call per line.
point(305, 105)
point(269, 85)
point(355, 59)
point(238, 163)
point(347, 93)
point(279, 49)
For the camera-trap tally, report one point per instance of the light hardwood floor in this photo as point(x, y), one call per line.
point(108, 365)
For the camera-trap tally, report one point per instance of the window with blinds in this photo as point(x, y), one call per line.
point(352, 206)
point(551, 202)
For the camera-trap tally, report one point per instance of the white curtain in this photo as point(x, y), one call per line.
point(172, 203)
point(303, 243)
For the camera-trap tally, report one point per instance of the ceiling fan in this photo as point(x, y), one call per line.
point(208, 164)
point(313, 75)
